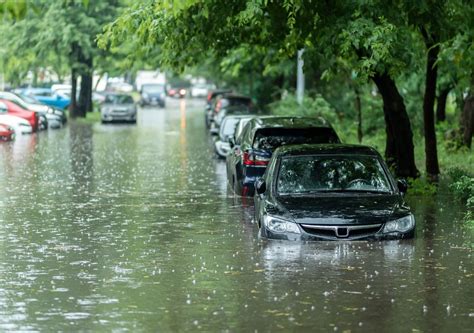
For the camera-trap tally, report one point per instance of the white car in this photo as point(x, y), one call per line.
point(201, 90)
point(20, 125)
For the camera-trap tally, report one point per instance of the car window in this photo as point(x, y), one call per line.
point(271, 138)
point(119, 99)
point(153, 88)
point(325, 173)
point(228, 126)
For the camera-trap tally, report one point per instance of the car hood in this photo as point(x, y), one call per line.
point(37, 107)
point(341, 209)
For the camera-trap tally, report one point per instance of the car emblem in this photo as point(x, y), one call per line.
point(342, 232)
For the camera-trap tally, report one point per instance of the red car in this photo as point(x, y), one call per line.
point(16, 110)
point(6, 133)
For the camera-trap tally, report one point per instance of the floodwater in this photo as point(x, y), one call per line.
point(132, 228)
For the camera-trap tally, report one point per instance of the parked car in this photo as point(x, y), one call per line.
point(48, 97)
point(12, 109)
point(211, 97)
point(251, 151)
point(226, 131)
point(118, 107)
point(19, 125)
point(153, 94)
point(7, 133)
point(229, 111)
point(225, 101)
point(54, 117)
point(331, 192)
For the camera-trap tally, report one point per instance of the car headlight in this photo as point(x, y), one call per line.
point(401, 225)
point(278, 225)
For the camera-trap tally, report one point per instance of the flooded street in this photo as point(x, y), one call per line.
point(132, 228)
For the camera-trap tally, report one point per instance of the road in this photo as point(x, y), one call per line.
point(132, 228)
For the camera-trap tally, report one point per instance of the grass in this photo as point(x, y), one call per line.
point(91, 118)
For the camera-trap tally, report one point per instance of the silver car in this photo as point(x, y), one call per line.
point(118, 107)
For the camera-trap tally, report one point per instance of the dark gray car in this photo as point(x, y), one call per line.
point(118, 107)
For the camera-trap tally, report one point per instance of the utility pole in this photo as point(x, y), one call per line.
point(300, 77)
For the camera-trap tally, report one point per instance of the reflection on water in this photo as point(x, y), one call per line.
point(124, 227)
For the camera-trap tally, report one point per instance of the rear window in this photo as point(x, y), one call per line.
point(272, 138)
point(236, 102)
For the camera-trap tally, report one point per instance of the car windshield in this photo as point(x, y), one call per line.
point(119, 99)
point(271, 138)
point(153, 88)
point(331, 173)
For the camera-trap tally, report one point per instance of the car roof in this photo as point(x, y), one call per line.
point(288, 122)
point(235, 96)
point(325, 149)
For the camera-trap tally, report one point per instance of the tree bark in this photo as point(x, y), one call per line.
point(441, 103)
point(467, 121)
point(431, 151)
point(399, 151)
point(73, 105)
point(85, 95)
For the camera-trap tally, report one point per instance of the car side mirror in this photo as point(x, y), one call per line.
point(231, 142)
point(260, 186)
point(402, 185)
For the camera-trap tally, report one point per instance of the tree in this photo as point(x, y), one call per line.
point(61, 32)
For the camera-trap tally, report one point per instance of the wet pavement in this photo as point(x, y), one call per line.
point(132, 228)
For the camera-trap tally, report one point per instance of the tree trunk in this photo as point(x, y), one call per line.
point(467, 121)
point(441, 103)
point(85, 95)
point(73, 105)
point(399, 150)
point(431, 151)
point(358, 106)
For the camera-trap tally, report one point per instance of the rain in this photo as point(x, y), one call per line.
point(133, 228)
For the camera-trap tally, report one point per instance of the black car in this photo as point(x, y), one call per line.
point(211, 97)
point(153, 94)
point(226, 101)
point(331, 192)
point(252, 150)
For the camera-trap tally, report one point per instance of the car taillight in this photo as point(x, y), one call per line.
point(251, 159)
point(218, 106)
point(209, 96)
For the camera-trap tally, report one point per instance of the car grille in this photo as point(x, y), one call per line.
point(341, 232)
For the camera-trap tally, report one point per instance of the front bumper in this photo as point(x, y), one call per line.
point(119, 117)
point(305, 236)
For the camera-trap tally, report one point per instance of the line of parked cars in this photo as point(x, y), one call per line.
point(22, 112)
point(305, 183)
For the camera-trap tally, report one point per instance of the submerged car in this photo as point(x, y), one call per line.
point(12, 109)
point(48, 97)
point(331, 192)
point(153, 94)
point(19, 125)
point(223, 101)
point(118, 107)
point(226, 131)
point(252, 150)
point(7, 133)
point(53, 117)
